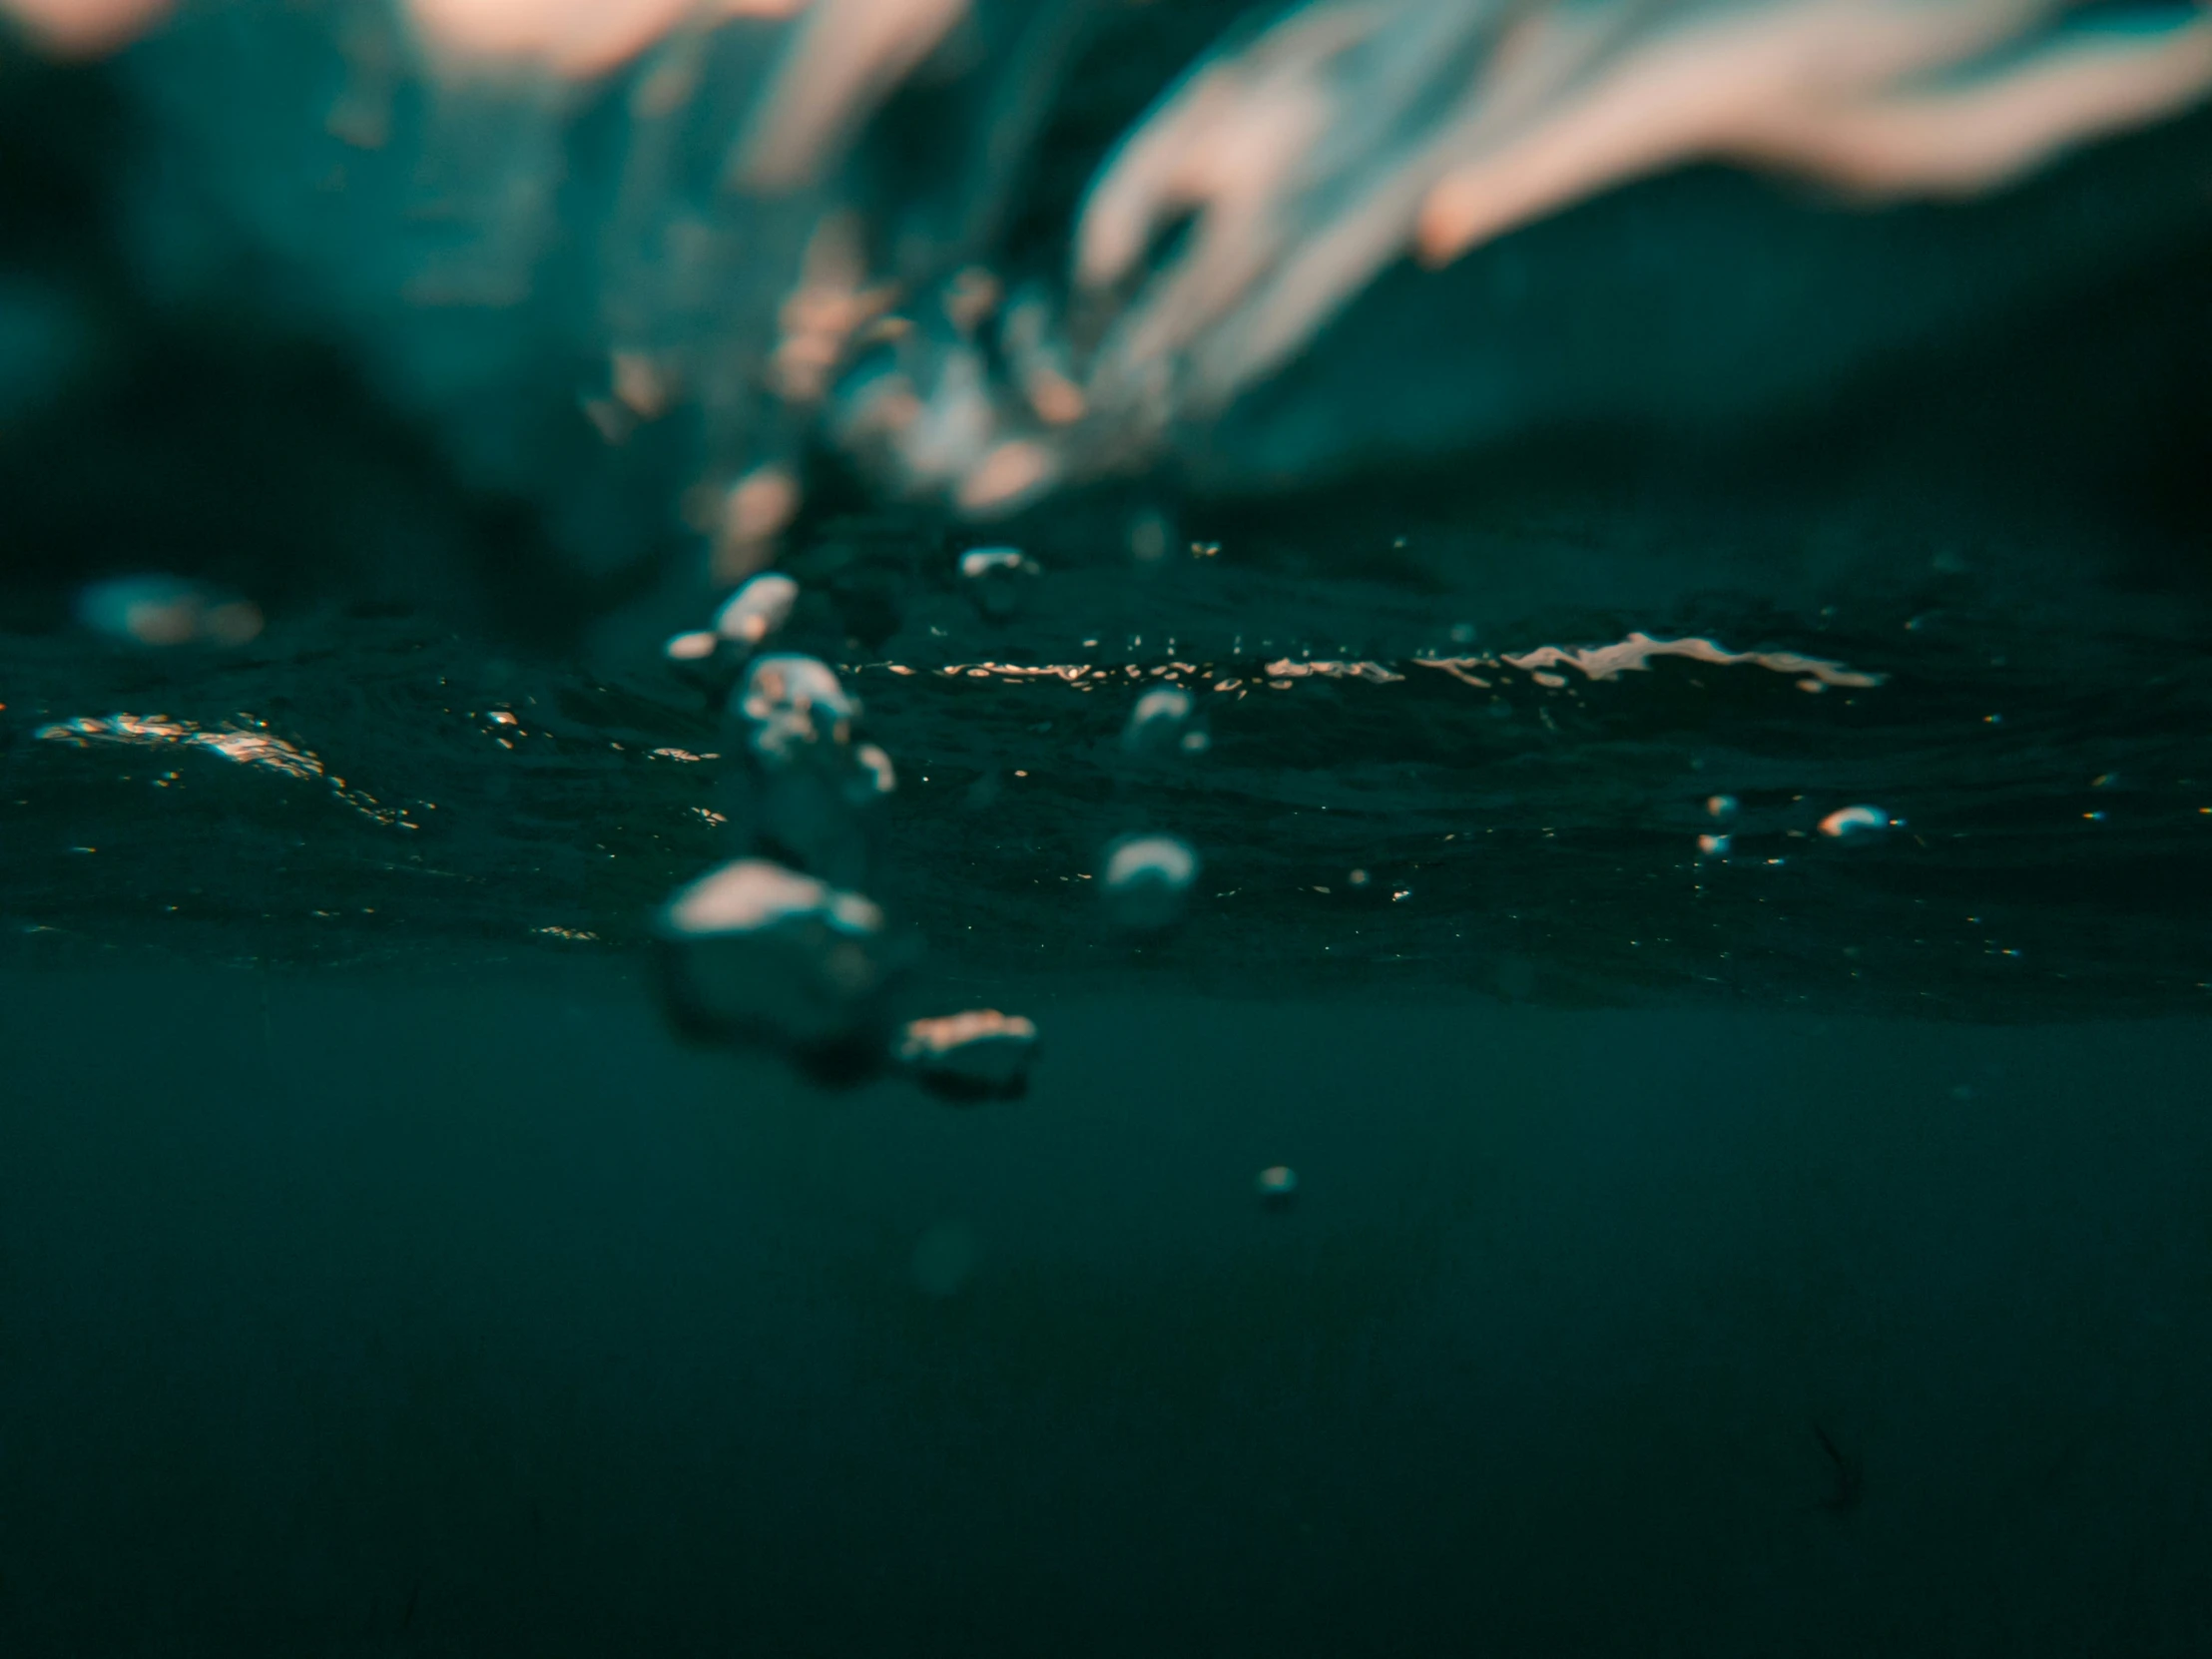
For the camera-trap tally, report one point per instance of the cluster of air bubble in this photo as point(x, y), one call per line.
point(780, 945)
point(1855, 824)
point(1147, 875)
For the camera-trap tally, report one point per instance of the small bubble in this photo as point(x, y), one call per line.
point(1146, 880)
point(1847, 822)
point(995, 578)
point(1276, 1186)
point(695, 646)
point(757, 610)
point(1159, 723)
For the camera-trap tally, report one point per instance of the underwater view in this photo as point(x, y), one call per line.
point(946, 827)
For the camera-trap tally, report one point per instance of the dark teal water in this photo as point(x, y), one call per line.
point(1802, 1251)
point(358, 786)
point(457, 1314)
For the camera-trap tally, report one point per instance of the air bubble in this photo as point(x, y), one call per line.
point(995, 578)
point(1146, 880)
point(1160, 724)
point(793, 708)
point(757, 611)
point(1847, 823)
point(981, 1054)
point(803, 787)
point(756, 950)
point(694, 647)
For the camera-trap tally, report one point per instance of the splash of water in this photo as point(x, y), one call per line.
point(739, 268)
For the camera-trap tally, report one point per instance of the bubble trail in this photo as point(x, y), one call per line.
point(803, 786)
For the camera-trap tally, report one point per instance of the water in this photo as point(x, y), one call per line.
point(1546, 995)
point(1379, 805)
point(437, 1314)
point(1792, 1250)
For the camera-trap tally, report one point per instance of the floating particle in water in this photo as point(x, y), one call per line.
point(995, 577)
point(757, 611)
point(1160, 724)
point(1714, 846)
point(1721, 808)
point(1146, 880)
point(756, 950)
point(945, 1258)
point(982, 1054)
point(1846, 823)
point(166, 611)
point(1276, 1186)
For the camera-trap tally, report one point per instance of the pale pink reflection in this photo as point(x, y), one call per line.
point(243, 744)
point(83, 28)
point(1011, 475)
point(846, 56)
point(1304, 170)
point(574, 38)
point(1606, 662)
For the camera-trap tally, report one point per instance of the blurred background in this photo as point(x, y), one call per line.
point(537, 311)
